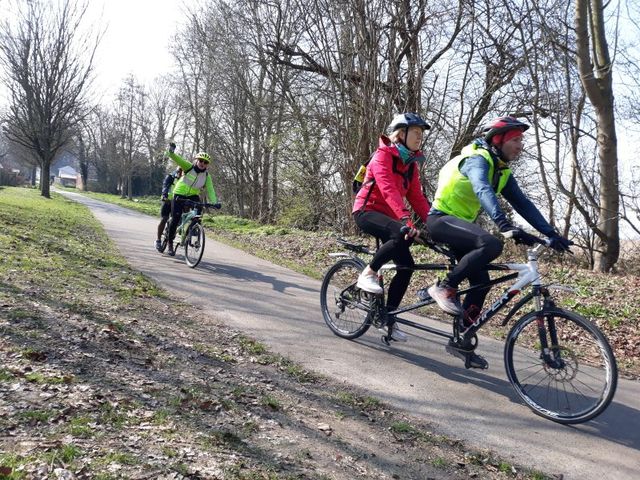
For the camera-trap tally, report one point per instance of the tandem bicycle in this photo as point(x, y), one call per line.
point(560, 364)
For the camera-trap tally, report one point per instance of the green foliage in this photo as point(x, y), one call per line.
point(251, 346)
point(41, 379)
point(351, 400)
point(64, 454)
point(439, 462)
point(271, 402)
point(299, 212)
point(13, 463)
point(122, 458)
point(79, 427)
point(402, 427)
point(36, 415)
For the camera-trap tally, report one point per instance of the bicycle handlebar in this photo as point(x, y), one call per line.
point(546, 242)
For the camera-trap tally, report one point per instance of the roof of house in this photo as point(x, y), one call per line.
point(67, 172)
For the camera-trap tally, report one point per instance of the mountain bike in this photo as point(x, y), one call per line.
point(560, 364)
point(190, 232)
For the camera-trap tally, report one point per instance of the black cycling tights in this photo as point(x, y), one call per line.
point(474, 248)
point(394, 247)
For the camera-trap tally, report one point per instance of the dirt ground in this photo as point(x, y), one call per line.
point(98, 387)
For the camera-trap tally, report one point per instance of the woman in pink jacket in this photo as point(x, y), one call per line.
point(380, 210)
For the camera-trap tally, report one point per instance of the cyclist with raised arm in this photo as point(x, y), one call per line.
point(194, 181)
point(467, 184)
point(166, 197)
point(379, 209)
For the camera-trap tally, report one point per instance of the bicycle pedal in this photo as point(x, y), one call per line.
point(471, 359)
point(474, 360)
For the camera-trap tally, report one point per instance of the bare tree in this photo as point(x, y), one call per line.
point(129, 107)
point(159, 123)
point(47, 65)
point(101, 137)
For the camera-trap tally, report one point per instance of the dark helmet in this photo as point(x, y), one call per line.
point(502, 125)
point(406, 120)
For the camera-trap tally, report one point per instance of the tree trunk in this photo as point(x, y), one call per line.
point(45, 178)
point(609, 244)
point(596, 72)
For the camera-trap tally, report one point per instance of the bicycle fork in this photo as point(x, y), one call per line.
point(550, 351)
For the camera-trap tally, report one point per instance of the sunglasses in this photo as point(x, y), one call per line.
point(203, 161)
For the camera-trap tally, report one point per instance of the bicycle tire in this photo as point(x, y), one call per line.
point(345, 307)
point(194, 244)
point(164, 238)
point(582, 382)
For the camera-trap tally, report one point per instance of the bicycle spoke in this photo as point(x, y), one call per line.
point(573, 381)
point(194, 245)
point(342, 304)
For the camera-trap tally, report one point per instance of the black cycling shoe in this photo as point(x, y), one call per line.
point(471, 359)
point(171, 251)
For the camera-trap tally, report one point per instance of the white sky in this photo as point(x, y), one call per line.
point(138, 34)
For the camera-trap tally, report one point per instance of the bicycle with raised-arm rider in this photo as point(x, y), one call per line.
point(190, 232)
point(560, 364)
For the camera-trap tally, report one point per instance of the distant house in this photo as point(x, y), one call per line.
point(67, 176)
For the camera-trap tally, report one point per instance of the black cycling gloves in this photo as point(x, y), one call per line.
point(560, 244)
point(519, 236)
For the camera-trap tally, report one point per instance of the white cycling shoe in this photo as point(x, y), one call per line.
point(369, 283)
point(397, 334)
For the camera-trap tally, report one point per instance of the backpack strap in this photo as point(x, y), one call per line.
point(406, 177)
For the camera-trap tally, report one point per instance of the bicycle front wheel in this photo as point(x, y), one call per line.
point(194, 245)
point(164, 239)
point(345, 307)
point(570, 381)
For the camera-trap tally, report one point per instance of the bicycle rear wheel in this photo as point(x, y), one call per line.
point(575, 379)
point(345, 307)
point(194, 244)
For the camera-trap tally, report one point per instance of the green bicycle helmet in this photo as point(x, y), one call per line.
point(204, 156)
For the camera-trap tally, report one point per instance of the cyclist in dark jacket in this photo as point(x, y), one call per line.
point(166, 196)
point(468, 183)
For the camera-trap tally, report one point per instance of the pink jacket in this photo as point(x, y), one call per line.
point(390, 187)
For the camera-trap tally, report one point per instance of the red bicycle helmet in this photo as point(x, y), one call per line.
point(502, 125)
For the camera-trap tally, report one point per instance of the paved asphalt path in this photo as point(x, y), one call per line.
point(281, 309)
